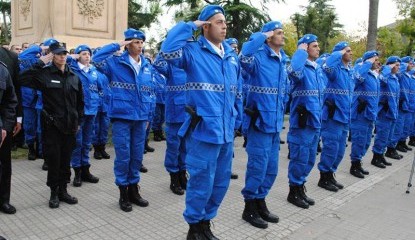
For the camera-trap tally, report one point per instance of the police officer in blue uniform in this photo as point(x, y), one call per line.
point(263, 59)
point(131, 85)
point(213, 100)
point(388, 110)
point(305, 117)
point(364, 110)
point(174, 160)
point(336, 114)
point(89, 76)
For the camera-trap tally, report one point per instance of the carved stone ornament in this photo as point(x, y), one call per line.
point(91, 9)
point(25, 8)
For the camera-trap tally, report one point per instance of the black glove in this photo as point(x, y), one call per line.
point(254, 114)
point(302, 116)
point(362, 106)
point(195, 118)
point(331, 107)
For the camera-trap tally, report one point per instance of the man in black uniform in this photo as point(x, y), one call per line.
point(8, 103)
point(62, 112)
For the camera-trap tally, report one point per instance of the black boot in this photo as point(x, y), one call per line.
point(326, 183)
point(355, 170)
point(412, 141)
point(362, 170)
point(183, 179)
point(148, 148)
point(97, 152)
point(245, 142)
point(157, 135)
point(207, 231)
point(135, 197)
point(77, 181)
point(124, 202)
point(377, 160)
point(386, 163)
point(65, 197)
point(234, 176)
point(7, 208)
point(86, 176)
point(400, 148)
point(54, 199)
point(45, 166)
point(32, 152)
point(264, 212)
point(303, 194)
point(143, 169)
point(104, 154)
point(294, 197)
point(335, 183)
point(175, 184)
point(403, 143)
point(251, 214)
point(196, 232)
point(392, 153)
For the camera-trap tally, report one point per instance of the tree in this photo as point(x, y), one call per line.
point(140, 15)
point(5, 9)
point(407, 26)
point(373, 25)
point(320, 19)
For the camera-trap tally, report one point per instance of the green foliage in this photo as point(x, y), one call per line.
point(407, 26)
point(140, 15)
point(390, 42)
point(320, 19)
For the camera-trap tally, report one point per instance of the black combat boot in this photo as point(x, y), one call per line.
point(196, 232)
point(412, 141)
point(264, 213)
point(303, 194)
point(104, 154)
point(355, 170)
point(294, 197)
point(251, 214)
point(7, 208)
point(64, 195)
point(333, 180)
point(97, 152)
point(362, 170)
point(86, 176)
point(135, 197)
point(45, 166)
point(383, 160)
point(143, 169)
point(175, 186)
point(326, 183)
point(400, 148)
point(234, 175)
point(183, 179)
point(157, 135)
point(54, 199)
point(207, 231)
point(377, 160)
point(77, 181)
point(32, 152)
point(148, 148)
point(124, 202)
point(392, 153)
point(403, 144)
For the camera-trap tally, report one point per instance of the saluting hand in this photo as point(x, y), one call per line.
point(303, 46)
point(269, 34)
point(74, 56)
point(123, 43)
point(199, 23)
point(46, 58)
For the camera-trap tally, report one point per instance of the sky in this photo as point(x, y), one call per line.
point(353, 14)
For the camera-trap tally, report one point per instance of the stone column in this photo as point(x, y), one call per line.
point(92, 22)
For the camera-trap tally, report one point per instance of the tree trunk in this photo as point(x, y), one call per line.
point(5, 31)
point(372, 32)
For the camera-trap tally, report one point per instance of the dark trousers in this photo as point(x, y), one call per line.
point(57, 151)
point(6, 168)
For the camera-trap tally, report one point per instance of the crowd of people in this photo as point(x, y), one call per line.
point(197, 95)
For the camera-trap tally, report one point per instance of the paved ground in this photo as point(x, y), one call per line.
point(373, 208)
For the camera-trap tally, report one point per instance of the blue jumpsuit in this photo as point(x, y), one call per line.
point(367, 93)
point(175, 114)
point(386, 120)
point(406, 78)
point(334, 128)
point(307, 86)
point(89, 79)
point(159, 114)
point(265, 94)
point(102, 121)
point(129, 108)
point(214, 92)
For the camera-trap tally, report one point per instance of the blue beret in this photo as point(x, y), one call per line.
point(369, 54)
point(308, 38)
point(231, 41)
point(340, 46)
point(393, 59)
point(271, 26)
point(359, 60)
point(132, 33)
point(49, 41)
point(81, 48)
point(407, 59)
point(209, 11)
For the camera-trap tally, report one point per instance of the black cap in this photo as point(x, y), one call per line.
point(57, 47)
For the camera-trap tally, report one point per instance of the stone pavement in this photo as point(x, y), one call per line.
point(373, 208)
